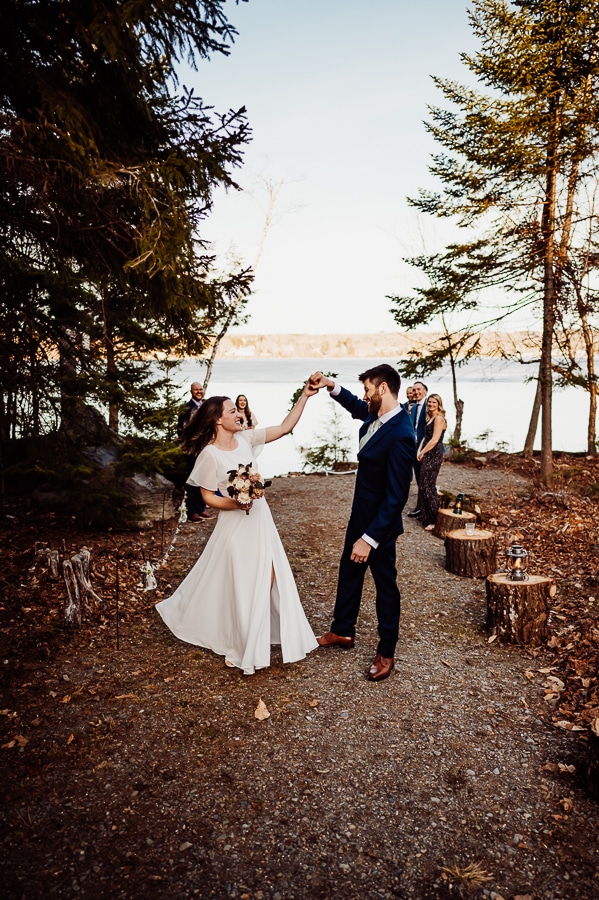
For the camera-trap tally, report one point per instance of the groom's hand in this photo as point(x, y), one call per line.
point(360, 551)
point(318, 381)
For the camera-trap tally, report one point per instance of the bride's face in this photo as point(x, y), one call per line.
point(229, 419)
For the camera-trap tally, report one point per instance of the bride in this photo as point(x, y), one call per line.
point(240, 597)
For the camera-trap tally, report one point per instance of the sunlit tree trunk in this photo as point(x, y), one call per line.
point(534, 423)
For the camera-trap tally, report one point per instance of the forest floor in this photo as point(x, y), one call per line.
point(134, 765)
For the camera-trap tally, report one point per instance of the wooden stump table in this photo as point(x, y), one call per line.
point(517, 611)
point(592, 761)
point(470, 555)
point(448, 521)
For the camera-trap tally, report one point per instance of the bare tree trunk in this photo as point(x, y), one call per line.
point(67, 373)
point(112, 375)
point(229, 318)
point(589, 345)
point(534, 423)
point(548, 226)
point(458, 404)
point(273, 193)
point(112, 378)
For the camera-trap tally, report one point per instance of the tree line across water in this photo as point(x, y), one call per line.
point(109, 166)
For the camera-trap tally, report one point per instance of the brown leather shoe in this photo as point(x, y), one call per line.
point(336, 640)
point(380, 668)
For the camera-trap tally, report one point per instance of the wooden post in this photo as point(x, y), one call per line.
point(517, 611)
point(592, 762)
point(471, 555)
point(448, 521)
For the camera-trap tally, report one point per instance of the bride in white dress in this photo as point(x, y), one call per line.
point(240, 597)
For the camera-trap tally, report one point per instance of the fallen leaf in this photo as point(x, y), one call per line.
point(492, 638)
point(529, 674)
point(21, 741)
point(169, 678)
point(567, 803)
point(314, 702)
point(8, 746)
point(66, 698)
point(261, 711)
point(70, 738)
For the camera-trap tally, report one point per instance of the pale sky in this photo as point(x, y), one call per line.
point(336, 94)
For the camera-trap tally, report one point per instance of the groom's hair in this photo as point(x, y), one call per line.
point(381, 373)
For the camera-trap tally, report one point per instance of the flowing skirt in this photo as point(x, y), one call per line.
point(427, 485)
point(226, 603)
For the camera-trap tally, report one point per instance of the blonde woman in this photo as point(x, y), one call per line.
point(430, 457)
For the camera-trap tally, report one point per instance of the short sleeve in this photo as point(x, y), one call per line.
point(204, 471)
point(256, 438)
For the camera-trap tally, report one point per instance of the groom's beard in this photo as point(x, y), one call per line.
point(374, 405)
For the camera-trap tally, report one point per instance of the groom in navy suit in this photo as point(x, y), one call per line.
point(386, 455)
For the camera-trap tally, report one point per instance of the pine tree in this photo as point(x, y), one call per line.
point(518, 155)
point(107, 171)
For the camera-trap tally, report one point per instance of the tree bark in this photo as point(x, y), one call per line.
point(471, 555)
point(447, 521)
point(517, 611)
point(592, 760)
point(534, 423)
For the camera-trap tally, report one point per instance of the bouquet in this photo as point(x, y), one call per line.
point(245, 485)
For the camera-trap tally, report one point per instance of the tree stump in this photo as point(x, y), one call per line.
point(517, 611)
point(470, 555)
point(448, 521)
point(592, 762)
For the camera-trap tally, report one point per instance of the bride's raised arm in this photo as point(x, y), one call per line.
point(274, 432)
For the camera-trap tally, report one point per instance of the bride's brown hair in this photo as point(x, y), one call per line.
point(202, 427)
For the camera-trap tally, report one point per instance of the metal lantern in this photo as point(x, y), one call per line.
point(517, 563)
point(457, 506)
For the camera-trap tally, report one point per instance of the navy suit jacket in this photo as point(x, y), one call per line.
point(421, 422)
point(384, 472)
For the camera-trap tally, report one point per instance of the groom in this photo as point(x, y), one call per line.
point(386, 455)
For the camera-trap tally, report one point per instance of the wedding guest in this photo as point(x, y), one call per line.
point(240, 597)
point(248, 419)
point(418, 414)
point(410, 399)
point(196, 508)
point(430, 457)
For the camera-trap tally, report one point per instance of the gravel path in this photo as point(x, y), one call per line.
point(349, 789)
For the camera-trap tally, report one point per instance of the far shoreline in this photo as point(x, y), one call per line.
point(392, 345)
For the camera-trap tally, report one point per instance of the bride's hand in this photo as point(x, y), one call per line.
point(317, 381)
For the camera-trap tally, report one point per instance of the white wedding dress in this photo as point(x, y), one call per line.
point(226, 603)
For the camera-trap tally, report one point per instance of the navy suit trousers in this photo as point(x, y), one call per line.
point(381, 562)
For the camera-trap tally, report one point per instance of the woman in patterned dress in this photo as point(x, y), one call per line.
point(430, 456)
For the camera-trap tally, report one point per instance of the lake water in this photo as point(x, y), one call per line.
point(497, 402)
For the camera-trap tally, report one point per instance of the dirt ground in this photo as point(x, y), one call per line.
point(143, 771)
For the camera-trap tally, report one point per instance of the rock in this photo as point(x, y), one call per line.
point(153, 495)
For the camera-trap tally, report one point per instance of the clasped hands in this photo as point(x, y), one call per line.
point(317, 380)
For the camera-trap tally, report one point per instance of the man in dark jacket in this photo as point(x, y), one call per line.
point(386, 455)
point(196, 508)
